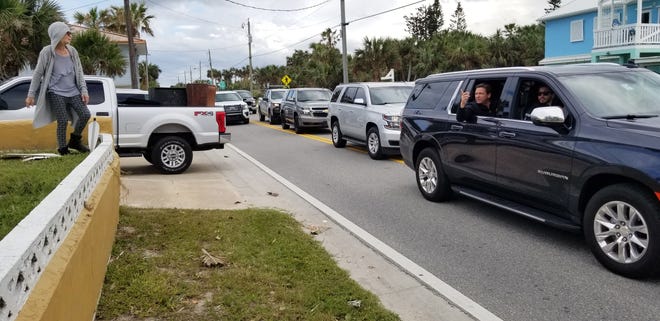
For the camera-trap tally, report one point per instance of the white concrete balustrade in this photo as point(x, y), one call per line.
point(27, 249)
point(627, 35)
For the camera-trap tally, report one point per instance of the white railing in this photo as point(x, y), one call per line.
point(627, 35)
point(27, 249)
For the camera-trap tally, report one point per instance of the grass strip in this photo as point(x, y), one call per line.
point(23, 185)
point(273, 271)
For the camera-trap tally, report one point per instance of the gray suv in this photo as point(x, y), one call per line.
point(368, 113)
point(305, 108)
point(270, 105)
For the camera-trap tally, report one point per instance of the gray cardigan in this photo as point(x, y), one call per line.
point(40, 79)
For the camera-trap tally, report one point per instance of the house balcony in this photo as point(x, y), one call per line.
point(627, 36)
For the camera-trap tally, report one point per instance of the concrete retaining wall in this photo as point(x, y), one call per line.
point(52, 265)
point(19, 134)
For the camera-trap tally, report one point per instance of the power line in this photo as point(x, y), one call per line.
point(386, 11)
point(189, 16)
point(335, 26)
point(287, 10)
point(195, 50)
point(86, 5)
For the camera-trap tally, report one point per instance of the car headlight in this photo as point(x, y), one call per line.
point(392, 121)
point(275, 105)
point(306, 111)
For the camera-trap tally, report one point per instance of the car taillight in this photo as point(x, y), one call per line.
point(221, 119)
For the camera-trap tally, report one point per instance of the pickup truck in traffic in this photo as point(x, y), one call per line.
point(166, 136)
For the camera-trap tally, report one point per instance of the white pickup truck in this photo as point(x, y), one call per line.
point(165, 136)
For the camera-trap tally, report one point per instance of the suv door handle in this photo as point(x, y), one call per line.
point(456, 127)
point(507, 135)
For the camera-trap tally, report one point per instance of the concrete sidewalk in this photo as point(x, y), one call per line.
point(226, 179)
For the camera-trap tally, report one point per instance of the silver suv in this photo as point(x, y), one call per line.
point(270, 105)
point(305, 108)
point(368, 113)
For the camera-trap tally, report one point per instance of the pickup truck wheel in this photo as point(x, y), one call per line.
point(374, 148)
point(261, 116)
point(337, 139)
point(172, 155)
point(431, 179)
point(296, 122)
point(622, 227)
point(147, 155)
point(283, 122)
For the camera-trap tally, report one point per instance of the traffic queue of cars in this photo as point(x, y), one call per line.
point(588, 162)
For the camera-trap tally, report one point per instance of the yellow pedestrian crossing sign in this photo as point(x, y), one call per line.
point(286, 80)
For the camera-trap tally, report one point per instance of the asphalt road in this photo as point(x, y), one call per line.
point(516, 268)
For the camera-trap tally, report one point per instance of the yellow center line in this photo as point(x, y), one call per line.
point(396, 159)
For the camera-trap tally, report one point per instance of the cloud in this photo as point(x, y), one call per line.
point(185, 31)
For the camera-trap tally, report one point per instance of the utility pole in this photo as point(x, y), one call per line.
point(146, 71)
point(191, 78)
point(211, 67)
point(250, 54)
point(200, 70)
point(131, 44)
point(344, 59)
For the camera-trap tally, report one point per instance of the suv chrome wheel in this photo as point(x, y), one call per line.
point(337, 139)
point(427, 175)
point(431, 180)
point(622, 226)
point(621, 232)
point(373, 144)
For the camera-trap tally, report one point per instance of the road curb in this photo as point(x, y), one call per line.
point(434, 284)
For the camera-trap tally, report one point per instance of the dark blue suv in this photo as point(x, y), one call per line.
point(588, 161)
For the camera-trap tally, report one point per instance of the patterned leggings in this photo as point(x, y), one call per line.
point(59, 105)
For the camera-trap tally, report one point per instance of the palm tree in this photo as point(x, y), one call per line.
point(140, 20)
point(93, 19)
point(153, 71)
point(14, 34)
point(23, 32)
point(98, 54)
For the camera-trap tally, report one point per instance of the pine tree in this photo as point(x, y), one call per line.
point(426, 22)
point(553, 4)
point(457, 21)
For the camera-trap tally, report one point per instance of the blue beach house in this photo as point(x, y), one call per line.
point(616, 31)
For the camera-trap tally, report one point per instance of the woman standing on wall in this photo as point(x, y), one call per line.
point(63, 93)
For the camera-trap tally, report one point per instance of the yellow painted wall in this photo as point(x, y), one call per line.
point(20, 135)
point(71, 283)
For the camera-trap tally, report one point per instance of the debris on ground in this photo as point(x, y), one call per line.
point(212, 261)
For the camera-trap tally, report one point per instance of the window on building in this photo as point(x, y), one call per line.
point(577, 30)
point(646, 16)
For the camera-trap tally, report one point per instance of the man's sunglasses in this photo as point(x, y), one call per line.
point(544, 93)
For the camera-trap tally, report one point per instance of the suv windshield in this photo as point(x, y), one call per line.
point(313, 95)
point(632, 94)
point(227, 97)
point(277, 94)
point(389, 95)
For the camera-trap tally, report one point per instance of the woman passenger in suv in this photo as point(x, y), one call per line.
point(481, 106)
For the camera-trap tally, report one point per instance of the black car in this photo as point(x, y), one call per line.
point(590, 162)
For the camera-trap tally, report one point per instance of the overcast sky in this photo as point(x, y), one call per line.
point(185, 31)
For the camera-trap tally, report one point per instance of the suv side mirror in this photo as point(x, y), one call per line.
point(359, 101)
point(552, 116)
